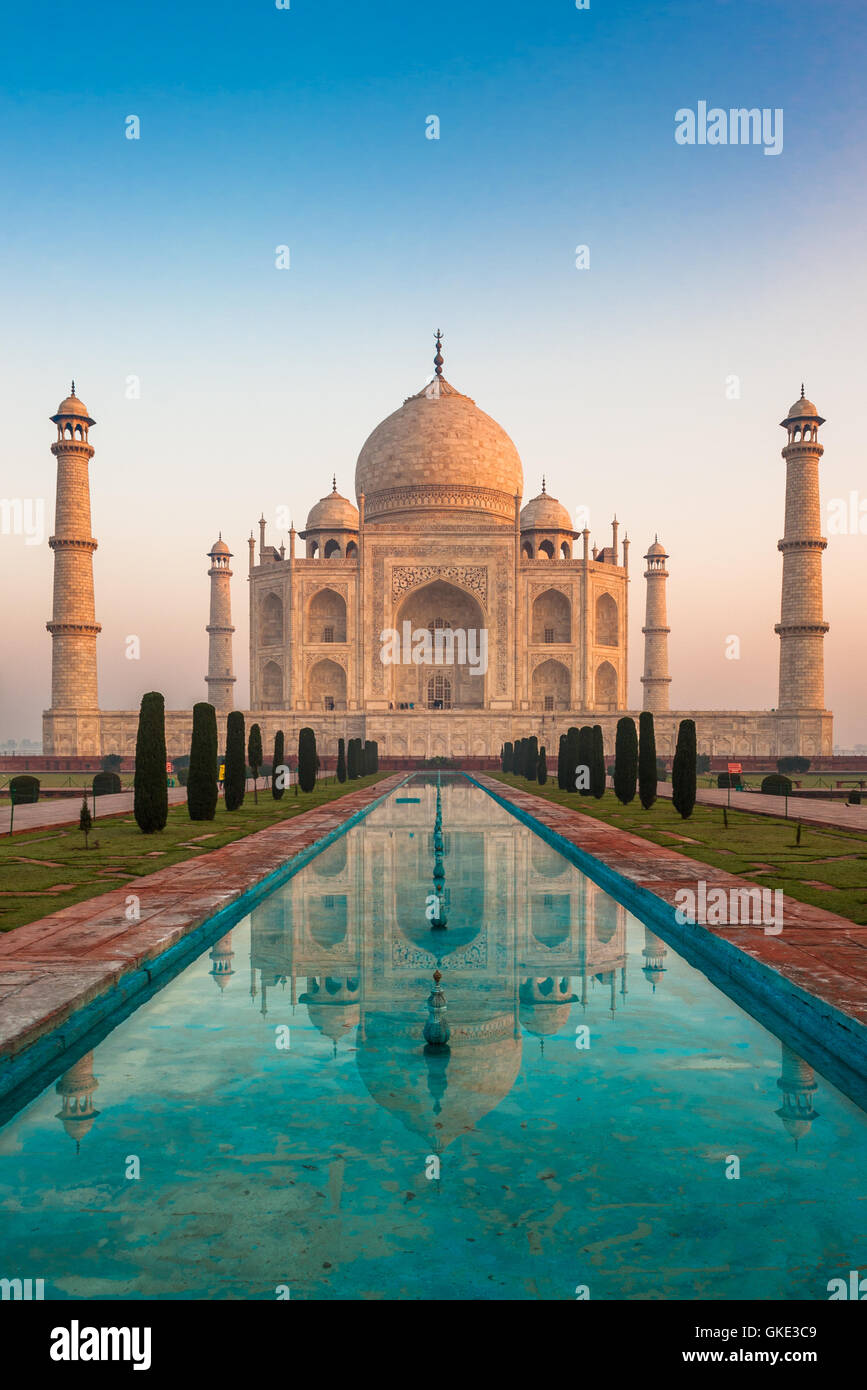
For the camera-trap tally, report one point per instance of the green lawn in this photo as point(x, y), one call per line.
point(761, 848)
point(42, 871)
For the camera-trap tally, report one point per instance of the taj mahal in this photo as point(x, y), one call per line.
point(440, 540)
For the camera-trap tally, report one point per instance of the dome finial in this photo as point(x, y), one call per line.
point(802, 390)
point(334, 482)
point(438, 360)
point(543, 484)
point(72, 392)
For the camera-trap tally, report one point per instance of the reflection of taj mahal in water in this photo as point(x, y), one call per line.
point(440, 540)
point(364, 984)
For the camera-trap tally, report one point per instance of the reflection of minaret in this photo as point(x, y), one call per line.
point(76, 1087)
point(222, 956)
point(798, 1085)
point(654, 954)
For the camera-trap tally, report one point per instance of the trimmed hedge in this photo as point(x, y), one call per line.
point(777, 785)
point(106, 784)
point(202, 788)
point(24, 789)
point(151, 798)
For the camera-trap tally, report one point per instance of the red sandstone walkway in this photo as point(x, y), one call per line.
point(822, 955)
point(57, 810)
point(51, 968)
point(800, 808)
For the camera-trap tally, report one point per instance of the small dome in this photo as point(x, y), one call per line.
point(657, 548)
point(219, 548)
point(801, 408)
point(333, 513)
point(73, 408)
point(544, 513)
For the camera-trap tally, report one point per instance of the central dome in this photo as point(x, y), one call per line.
point(439, 453)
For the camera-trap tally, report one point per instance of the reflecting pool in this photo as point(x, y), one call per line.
point(271, 1119)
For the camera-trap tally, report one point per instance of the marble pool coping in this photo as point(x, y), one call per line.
point(63, 974)
point(813, 975)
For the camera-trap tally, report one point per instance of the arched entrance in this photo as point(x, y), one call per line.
point(449, 669)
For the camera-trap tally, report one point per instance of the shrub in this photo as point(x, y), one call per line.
point(793, 764)
point(573, 742)
point(367, 758)
point(508, 751)
point(236, 762)
point(85, 819)
point(202, 789)
point(597, 762)
point(531, 758)
point(729, 779)
point(106, 784)
point(112, 762)
point(561, 763)
point(341, 760)
point(254, 757)
point(585, 758)
point(702, 762)
point(647, 772)
point(625, 760)
point(854, 798)
point(277, 792)
point(24, 789)
point(542, 768)
point(352, 759)
point(776, 785)
point(374, 761)
point(151, 798)
point(683, 772)
point(307, 759)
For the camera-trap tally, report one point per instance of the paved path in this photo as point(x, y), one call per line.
point(819, 958)
point(800, 808)
point(52, 968)
point(57, 810)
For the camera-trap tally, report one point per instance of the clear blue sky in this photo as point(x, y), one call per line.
point(306, 127)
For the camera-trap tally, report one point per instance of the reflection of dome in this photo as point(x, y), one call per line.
point(439, 452)
point(483, 1062)
point(333, 513)
point(544, 513)
point(333, 1007)
point(545, 1005)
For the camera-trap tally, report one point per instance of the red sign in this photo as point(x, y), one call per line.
point(735, 768)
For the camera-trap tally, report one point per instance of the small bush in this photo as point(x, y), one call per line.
point(776, 785)
point(24, 790)
point(729, 779)
point(854, 798)
point(106, 784)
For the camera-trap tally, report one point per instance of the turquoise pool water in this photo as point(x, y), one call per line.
point(288, 1127)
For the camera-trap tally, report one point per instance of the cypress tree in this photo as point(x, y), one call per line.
point(585, 757)
point(597, 766)
point(307, 760)
point(341, 760)
point(236, 762)
point(683, 773)
point(151, 799)
point(625, 760)
point(254, 757)
point(367, 758)
point(508, 756)
point(542, 768)
point(351, 760)
point(202, 790)
point(85, 819)
point(561, 763)
point(375, 746)
point(573, 741)
point(646, 759)
point(279, 754)
point(531, 762)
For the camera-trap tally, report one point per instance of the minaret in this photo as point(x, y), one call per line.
point(802, 627)
point(220, 678)
point(656, 679)
point(73, 626)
